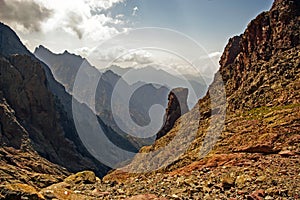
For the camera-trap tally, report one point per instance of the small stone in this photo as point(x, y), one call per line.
point(85, 177)
point(49, 194)
point(145, 197)
point(257, 195)
point(241, 192)
point(261, 178)
point(269, 198)
point(271, 191)
point(120, 191)
point(227, 182)
point(241, 180)
point(286, 153)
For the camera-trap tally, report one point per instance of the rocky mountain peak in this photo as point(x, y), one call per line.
point(41, 47)
point(177, 106)
point(272, 31)
point(231, 51)
point(268, 35)
point(10, 42)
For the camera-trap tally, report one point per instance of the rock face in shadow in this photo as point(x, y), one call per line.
point(23, 83)
point(23, 86)
point(41, 106)
point(22, 169)
point(177, 106)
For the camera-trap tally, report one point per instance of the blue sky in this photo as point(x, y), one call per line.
point(210, 22)
point(79, 26)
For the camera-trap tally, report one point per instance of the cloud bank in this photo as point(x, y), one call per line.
point(24, 15)
point(120, 54)
point(81, 18)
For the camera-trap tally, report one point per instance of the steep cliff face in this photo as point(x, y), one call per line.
point(42, 106)
point(250, 82)
point(177, 106)
point(9, 42)
point(23, 84)
point(12, 133)
point(20, 165)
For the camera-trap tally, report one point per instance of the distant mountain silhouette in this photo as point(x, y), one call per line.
point(196, 85)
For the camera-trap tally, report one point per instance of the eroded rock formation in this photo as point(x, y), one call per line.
point(177, 106)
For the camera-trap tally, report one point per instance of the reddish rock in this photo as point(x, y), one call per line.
point(146, 197)
point(261, 148)
point(257, 195)
point(269, 34)
point(241, 192)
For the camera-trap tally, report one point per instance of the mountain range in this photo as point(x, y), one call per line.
point(65, 68)
point(240, 141)
point(40, 101)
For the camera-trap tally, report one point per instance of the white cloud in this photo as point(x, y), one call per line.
point(120, 16)
point(138, 57)
point(215, 54)
point(100, 27)
point(24, 15)
point(82, 18)
point(83, 51)
point(135, 10)
point(119, 54)
point(102, 4)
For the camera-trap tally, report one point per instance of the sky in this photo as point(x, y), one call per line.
point(106, 29)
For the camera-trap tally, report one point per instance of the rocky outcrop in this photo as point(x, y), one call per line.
point(249, 81)
point(12, 133)
point(22, 169)
point(231, 51)
point(177, 106)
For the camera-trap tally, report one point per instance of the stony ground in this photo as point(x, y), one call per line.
point(231, 176)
